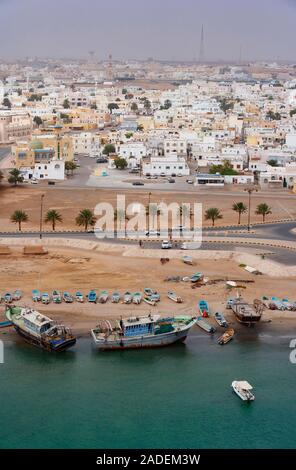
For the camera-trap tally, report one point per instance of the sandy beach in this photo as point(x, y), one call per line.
point(71, 269)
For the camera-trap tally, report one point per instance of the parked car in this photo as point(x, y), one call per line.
point(34, 181)
point(166, 245)
point(138, 183)
point(162, 174)
point(152, 233)
point(51, 183)
point(189, 181)
point(171, 180)
point(102, 160)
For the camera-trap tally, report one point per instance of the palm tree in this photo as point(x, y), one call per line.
point(213, 214)
point(18, 217)
point(184, 211)
point(240, 208)
point(15, 177)
point(53, 217)
point(86, 218)
point(264, 210)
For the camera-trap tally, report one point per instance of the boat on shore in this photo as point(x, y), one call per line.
point(17, 295)
point(174, 297)
point(45, 298)
point(196, 277)
point(5, 324)
point(220, 319)
point(150, 301)
point(226, 337)
point(79, 297)
point(127, 298)
point(151, 294)
point(92, 296)
point(36, 296)
point(7, 298)
point(141, 332)
point(243, 389)
point(187, 260)
point(103, 297)
point(204, 325)
point(56, 297)
point(246, 313)
point(39, 330)
point(67, 298)
point(204, 308)
point(137, 298)
point(115, 297)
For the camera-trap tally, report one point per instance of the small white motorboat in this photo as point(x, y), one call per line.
point(243, 389)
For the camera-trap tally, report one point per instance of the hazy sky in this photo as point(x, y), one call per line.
point(163, 29)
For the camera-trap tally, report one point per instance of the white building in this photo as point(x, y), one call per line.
point(86, 143)
point(172, 165)
point(291, 141)
point(205, 179)
point(174, 146)
point(51, 170)
point(132, 152)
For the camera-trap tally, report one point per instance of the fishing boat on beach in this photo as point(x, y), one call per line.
point(103, 297)
point(67, 298)
point(149, 301)
point(151, 294)
point(246, 313)
point(220, 319)
point(137, 298)
point(17, 295)
point(141, 332)
point(56, 297)
point(196, 277)
point(39, 330)
point(79, 297)
point(243, 389)
point(45, 298)
point(92, 296)
point(127, 298)
point(36, 296)
point(204, 325)
point(226, 337)
point(7, 298)
point(174, 297)
point(5, 324)
point(187, 260)
point(115, 298)
point(203, 307)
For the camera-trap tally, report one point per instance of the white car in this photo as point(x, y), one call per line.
point(152, 233)
point(166, 245)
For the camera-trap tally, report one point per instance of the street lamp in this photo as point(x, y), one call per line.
point(41, 211)
point(250, 190)
point(149, 197)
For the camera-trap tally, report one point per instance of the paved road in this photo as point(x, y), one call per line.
point(285, 256)
point(4, 151)
point(273, 231)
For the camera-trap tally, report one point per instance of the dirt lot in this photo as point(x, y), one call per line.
point(69, 201)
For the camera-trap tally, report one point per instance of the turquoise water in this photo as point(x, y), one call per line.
point(174, 397)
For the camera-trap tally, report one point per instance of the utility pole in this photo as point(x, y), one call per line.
point(149, 198)
point(41, 215)
point(250, 190)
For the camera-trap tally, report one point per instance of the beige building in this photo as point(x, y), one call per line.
point(14, 125)
point(59, 141)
